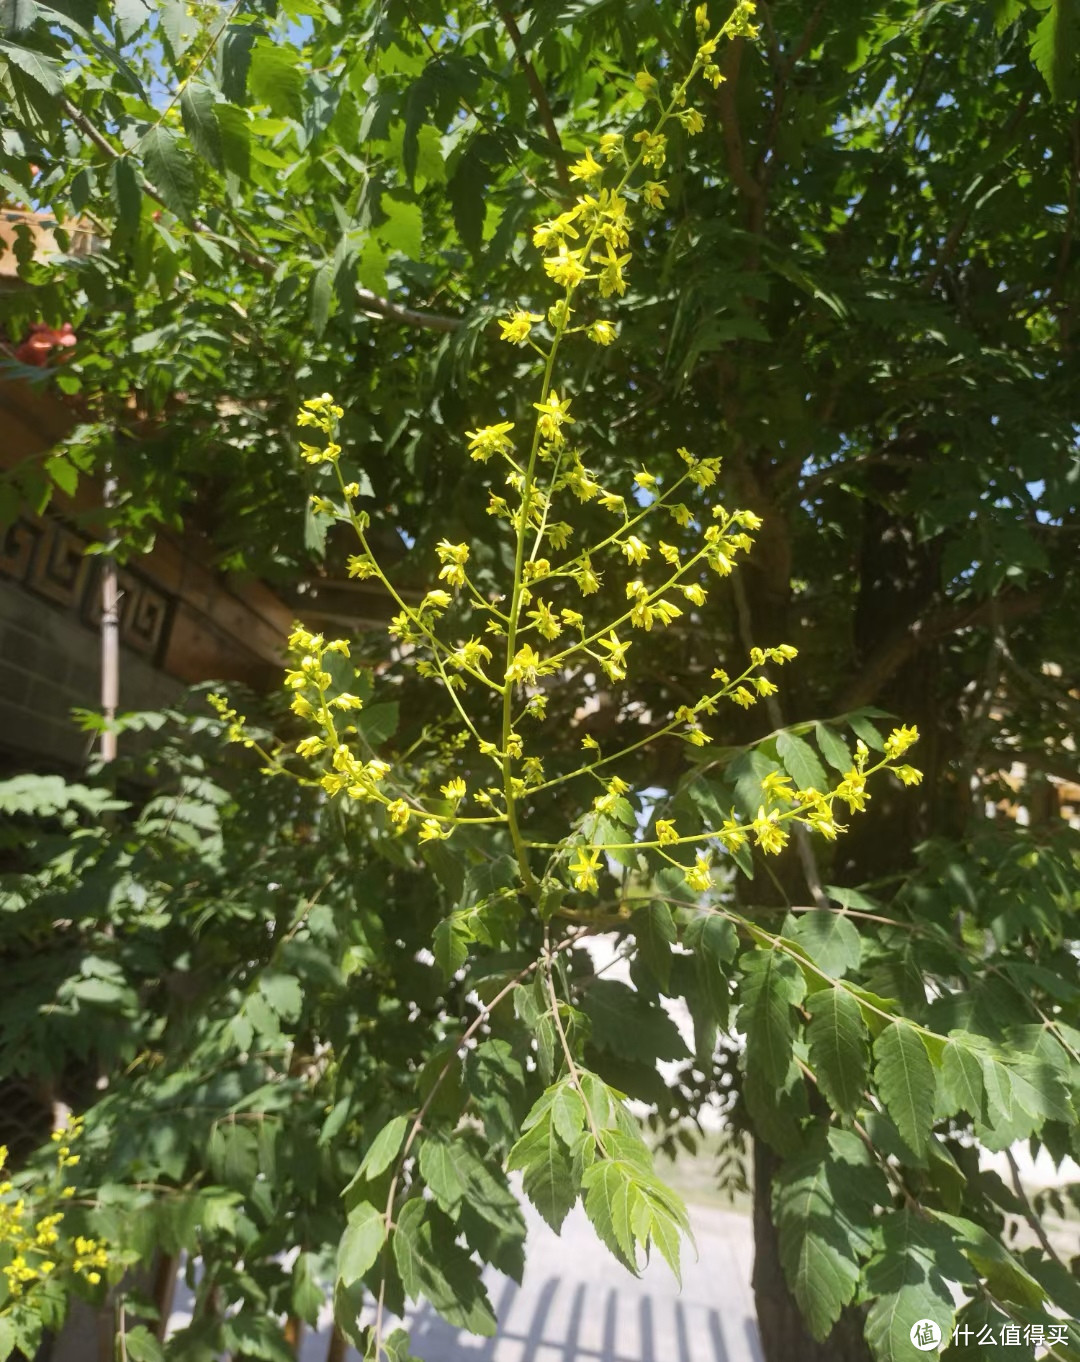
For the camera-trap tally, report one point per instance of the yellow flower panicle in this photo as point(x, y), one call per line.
point(586, 252)
point(30, 1231)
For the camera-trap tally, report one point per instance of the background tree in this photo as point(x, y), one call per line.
point(860, 295)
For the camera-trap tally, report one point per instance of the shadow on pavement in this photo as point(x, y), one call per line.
point(568, 1324)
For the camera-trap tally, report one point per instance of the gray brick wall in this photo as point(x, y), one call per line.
point(50, 664)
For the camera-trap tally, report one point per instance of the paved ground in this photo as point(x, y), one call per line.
point(577, 1304)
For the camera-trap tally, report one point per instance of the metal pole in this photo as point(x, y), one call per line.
point(110, 636)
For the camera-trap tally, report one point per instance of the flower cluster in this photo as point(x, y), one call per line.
point(30, 1230)
point(667, 541)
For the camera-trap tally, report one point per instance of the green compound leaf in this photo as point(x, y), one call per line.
point(830, 939)
point(384, 1148)
point(822, 1205)
point(275, 78)
point(361, 1243)
point(548, 1173)
point(654, 928)
point(907, 1082)
point(961, 1081)
point(801, 762)
point(42, 70)
point(197, 110)
point(433, 1265)
point(839, 1056)
point(833, 748)
point(772, 985)
point(909, 1280)
point(170, 170)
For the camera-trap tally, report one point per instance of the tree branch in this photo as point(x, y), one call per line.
point(910, 639)
point(729, 122)
point(764, 163)
point(543, 105)
point(369, 302)
point(1029, 1211)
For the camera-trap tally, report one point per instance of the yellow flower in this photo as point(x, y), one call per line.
point(454, 789)
point(347, 701)
point(553, 415)
point(399, 813)
point(899, 740)
point(566, 267)
point(741, 696)
point(453, 558)
point(693, 593)
point(823, 823)
point(692, 121)
point(615, 664)
point(526, 665)
point(732, 835)
point(610, 145)
point(853, 789)
point(654, 193)
point(654, 148)
point(701, 19)
point(610, 279)
point(488, 440)
point(697, 877)
point(634, 549)
point(712, 72)
point(776, 785)
point(435, 600)
point(532, 768)
point(645, 83)
point(601, 332)
point(666, 832)
point(360, 565)
point(739, 25)
point(431, 830)
point(584, 867)
point(768, 834)
point(517, 327)
point(535, 569)
point(586, 169)
point(470, 654)
point(543, 617)
point(666, 610)
point(910, 775)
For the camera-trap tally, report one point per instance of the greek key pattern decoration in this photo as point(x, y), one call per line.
point(50, 559)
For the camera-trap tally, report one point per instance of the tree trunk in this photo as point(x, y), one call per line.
point(896, 582)
point(784, 1336)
